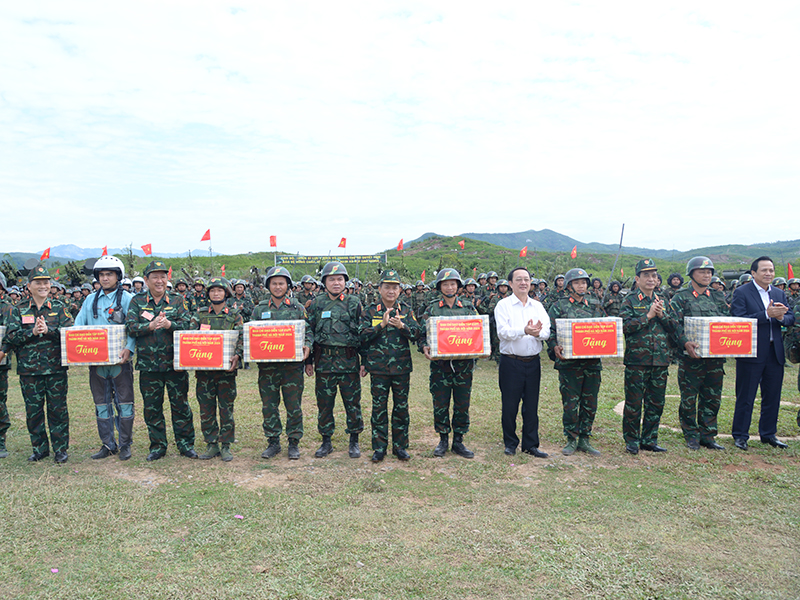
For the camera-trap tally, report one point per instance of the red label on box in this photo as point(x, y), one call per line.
point(204, 351)
point(460, 337)
point(86, 346)
point(594, 338)
point(272, 342)
point(730, 338)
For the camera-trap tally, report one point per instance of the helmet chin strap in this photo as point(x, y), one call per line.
point(218, 302)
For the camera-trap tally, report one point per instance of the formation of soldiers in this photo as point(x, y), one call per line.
point(351, 330)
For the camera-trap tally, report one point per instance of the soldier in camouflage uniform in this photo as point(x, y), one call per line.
point(420, 300)
point(700, 379)
point(306, 294)
point(578, 379)
point(217, 389)
point(612, 301)
point(34, 332)
point(385, 331)
point(182, 288)
point(199, 296)
point(5, 364)
point(674, 284)
point(647, 324)
point(449, 377)
point(370, 294)
point(240, 301)
point(793, 291)
point(152, 318)
point(556, 294)
point(276, 378)
point(333, 318)
point(487, 306)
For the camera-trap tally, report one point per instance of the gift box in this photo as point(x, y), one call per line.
point(458, 337)
point(92, 345)
point(204, 350)
point(2, 335)
point(722, 337)
point(274, 341)
point(590, 338)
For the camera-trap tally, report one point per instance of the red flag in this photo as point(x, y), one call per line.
point(105, 251)
point(423, 276)
point(223, 270)
point(524, 252)
point(273, 241)
point(461, 243)
point(343, 243)
point(58, 271)
point(400, 245)
point(621, 273)
point(791, 271)
point(574, 253)
point(169, 273)
point(45, 254)
point(147, 249)
point(206, 236)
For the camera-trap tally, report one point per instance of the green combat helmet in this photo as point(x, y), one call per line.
point(500, 282)
point(779, 281)
point(491, 274)
point(716, 279)
point(448, 275)
point(744, 278)
point(471, 281)
point(699, 262)
point(575, 275)
point(152, 267)
point(281, 272)
point(333, 268)
point(557, 277)
point(646, 264)
point(220, 282)
point(390, 276)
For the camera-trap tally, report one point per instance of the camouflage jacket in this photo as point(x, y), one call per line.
point(288, 309)
point(334, 327)
point(154, 349)
point(647, 341)
point(6, 308)
point(200, 301)
point(688, 303)
point(304, 297)
point(490, 302)
point(227, 319)
point(37, 354)
point(439, 308)
point(612, 303)
point(553, 297)
point(189, 298)
point(244, 305)
point(386, 350)
point(569, 308)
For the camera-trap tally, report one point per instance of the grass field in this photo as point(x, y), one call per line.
point(677, 525)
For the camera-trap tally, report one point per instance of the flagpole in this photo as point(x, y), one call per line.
point(619, 250)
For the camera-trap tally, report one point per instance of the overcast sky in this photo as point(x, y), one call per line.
point(149, 122)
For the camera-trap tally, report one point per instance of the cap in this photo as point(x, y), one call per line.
point(390, 276)
point(38, 272)
point(155, 265)
point(646, 264)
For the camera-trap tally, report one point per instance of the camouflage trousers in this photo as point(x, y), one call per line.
point(579, 389)
point(349, 385)
point(700, 381)
point(274, 380)
point(380, 386)
point(644, 402)
point(442, 386)
point(216, 389)
point(5, 422)
point(151, 386)
point(50, 391)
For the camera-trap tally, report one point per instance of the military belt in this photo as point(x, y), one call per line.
point(523, 358)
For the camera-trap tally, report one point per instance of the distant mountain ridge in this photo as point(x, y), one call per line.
point(69, 252)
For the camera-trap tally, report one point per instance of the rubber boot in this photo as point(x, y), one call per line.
point(212, 450)
point(294, 451)
point(273, 449)
point(441, 447)
point(326, 447)
point(570, 448)
point(225, 452)
point(459, 447)
point(585, 446)
point(105, 428)
point(354, 451)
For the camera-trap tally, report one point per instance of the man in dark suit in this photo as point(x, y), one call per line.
point(758, 299)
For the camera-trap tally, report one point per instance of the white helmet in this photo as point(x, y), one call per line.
point(139, 279)
point(109, 263)
point(127, 281)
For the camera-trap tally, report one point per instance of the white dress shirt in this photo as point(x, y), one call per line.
point(764, 293)
point(511, 317)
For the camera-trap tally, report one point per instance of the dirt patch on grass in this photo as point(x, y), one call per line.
point(755, 462)
point(144, 477)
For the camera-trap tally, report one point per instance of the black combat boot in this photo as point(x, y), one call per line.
point(294, 451)
point(459, 447)
point(354, 451)
point(441, 447)
point(273, 449)
point(326, 447)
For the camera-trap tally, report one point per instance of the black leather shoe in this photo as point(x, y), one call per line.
point(693, 444)
point(61, 457)
point(124, 452)
point(774, 442)
point(509, 451)
point(712, 445)
point(156, 454)
point(37, 456)
point(104, 452)
point(401, 454)
point(378, 455)
point(652, 448)
point(190, 453)
point(740, 444)
point(632, 449)
point(535, 452)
